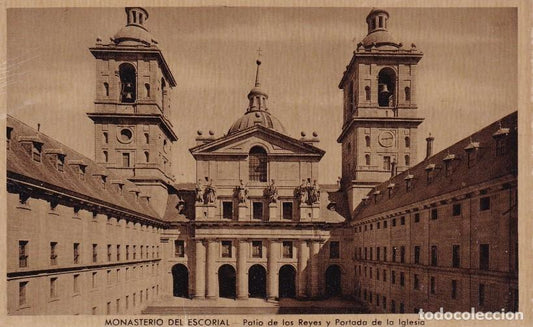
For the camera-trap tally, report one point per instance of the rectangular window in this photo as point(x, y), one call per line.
point(456, 209)
point(22, 293)
point(417, 217)
point(378, 253)
point(226, 249)
point(76, 284)
point(53, 254)
point(393, 306)
point(416, 283)
point(93, 280)
point(432, 285)
point(125, 159)
point(23, 254)
point(257, 208)
point(385, 224)
point(384, 275)
point(481, 295)
point(108, 277)
point(108, 308)
point(394, 222)
point(109, 252)
point(134, 299)
point(384, 253)
point(227, 209)
point(402, 279)
point(95, 253)
point(417, 255)
point(434, 255)
point(179, 248)
point(53, 288)
point(393, 277)
point(454, 289)
point(287, 210)
point(402, 220)
point(76, 250)
point(371, 254)
point(402, 307)
point(484, 256)
point(127, 252)
point(484, 203)
point(134, 252)
point(334, 250)
point(386, 163)
point(118, 252)
point(394, 250)
point(402, 254)
point(456, 256)
point(118, 305)
point(434, 214)
point(257, 249)
point(127, 302)
point(142, 251)
point(287, 249)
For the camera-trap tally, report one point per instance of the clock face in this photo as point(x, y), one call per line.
point(386, 139)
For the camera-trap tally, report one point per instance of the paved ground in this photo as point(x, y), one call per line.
point(174, 305)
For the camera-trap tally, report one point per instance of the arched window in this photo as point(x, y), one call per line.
point(257, 164)
point(146, 138)
point(407, 93)
point(367, 159)
point(128, 83)
point(106, 156)
point(367, 93)
point(106, 89)
point(387, 87)
point(367, 141)
point(407, 142)
point(407, 160)
point(147, 156)
point(147, 88)
point(105, 137)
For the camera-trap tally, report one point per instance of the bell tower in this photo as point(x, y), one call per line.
point(133, 133)
point(379, 132)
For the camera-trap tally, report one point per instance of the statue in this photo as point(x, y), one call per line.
point(271, 192)
point(210, 193)
point(301, 192)
point(314, 193)
point(199, 191)
point(242, 192)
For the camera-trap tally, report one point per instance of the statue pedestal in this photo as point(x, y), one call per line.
point(200, 211)
point(273, 212)
point(306, 213)
point(211, 211)
point(315, 212)
point(242, 212)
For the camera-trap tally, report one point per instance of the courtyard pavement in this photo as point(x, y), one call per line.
point(183, 306)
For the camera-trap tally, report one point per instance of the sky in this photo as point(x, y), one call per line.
point(466, 79)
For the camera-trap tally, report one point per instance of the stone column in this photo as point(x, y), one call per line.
point(212, 291)
point(272, 274)
point(303, 258)
point(314, 290)
point(199, 274)
point(242, 280)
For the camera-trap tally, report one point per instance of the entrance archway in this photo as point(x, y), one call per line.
point(180, 280)
point(257, 281)
point(226, 281)
point(287, 281)
point(333, 280)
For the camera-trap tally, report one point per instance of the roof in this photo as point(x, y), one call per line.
point(257, 117)
point(487, 166)
point(22, 168)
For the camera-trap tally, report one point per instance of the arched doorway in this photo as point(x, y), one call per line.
point(333, 281)
point(287, 281)
point(226, 281)
point(180, 279)
point(257, 281)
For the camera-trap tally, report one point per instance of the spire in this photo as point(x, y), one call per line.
point(257, 96)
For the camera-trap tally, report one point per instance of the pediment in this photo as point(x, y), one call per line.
point(273, 142)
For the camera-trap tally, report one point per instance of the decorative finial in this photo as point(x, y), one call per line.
point(258, 62)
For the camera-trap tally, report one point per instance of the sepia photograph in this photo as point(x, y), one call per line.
point(228, 165)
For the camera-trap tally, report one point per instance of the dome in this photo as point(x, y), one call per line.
point(257, 117)
point(379, 37)
point(133, 35)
